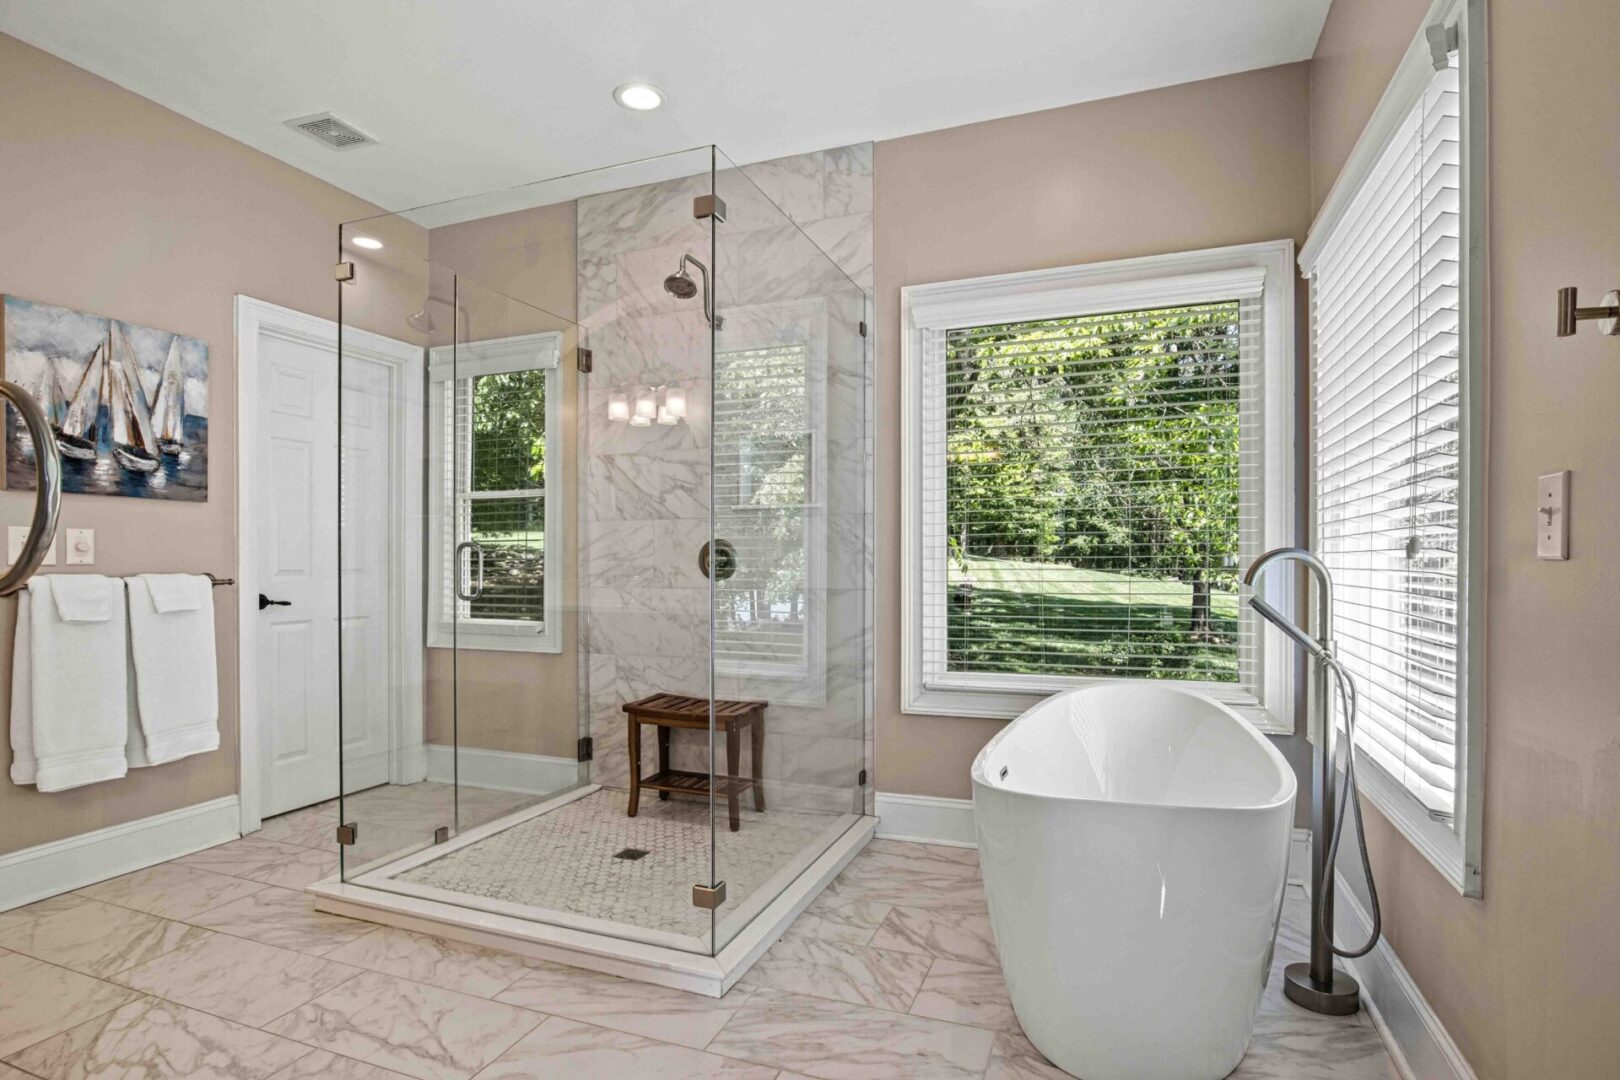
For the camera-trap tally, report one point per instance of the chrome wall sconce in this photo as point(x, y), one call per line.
point(1570, 313)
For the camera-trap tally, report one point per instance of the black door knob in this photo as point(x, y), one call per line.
point(265, 601)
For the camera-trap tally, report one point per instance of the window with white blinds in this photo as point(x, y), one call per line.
point(766, 508)
point(1389, 476)
point(495, 446)
point(1094, 496)
point(1092, 454)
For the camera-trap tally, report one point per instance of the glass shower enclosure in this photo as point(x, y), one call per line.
point(604, 556)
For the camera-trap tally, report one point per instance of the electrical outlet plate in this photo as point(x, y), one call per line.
point(1552, 516)
point(16, 536)
point(81, 547)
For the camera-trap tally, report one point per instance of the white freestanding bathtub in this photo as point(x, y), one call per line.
point(1134, 840)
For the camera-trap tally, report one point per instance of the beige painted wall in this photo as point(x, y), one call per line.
point(518, 273)
point(1193, 166)
point(1527, 980)
point(114, 205)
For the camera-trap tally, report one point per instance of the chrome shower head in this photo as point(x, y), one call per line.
point(680, 285)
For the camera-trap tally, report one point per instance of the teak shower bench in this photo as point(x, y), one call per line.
point(669, 711)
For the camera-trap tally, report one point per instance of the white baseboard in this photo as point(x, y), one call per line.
point(925, 819)
point(64, 865)
point(501, 770)
point(1418, 1042)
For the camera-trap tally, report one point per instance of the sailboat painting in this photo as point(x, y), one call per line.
point(128, 403)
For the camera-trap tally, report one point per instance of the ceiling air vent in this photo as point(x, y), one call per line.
point(331, 131)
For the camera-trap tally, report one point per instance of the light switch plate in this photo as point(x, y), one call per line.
point(16, 536)
point(1552, 516)
point(81, 547)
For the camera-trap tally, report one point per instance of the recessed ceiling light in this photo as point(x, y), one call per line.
point(640, 96)
point(368, 243)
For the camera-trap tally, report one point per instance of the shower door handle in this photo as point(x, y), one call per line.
point(477, 589)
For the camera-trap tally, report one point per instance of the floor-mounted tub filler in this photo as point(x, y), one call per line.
point(1134, 842)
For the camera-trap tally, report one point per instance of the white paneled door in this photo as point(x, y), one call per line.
point(294, 497)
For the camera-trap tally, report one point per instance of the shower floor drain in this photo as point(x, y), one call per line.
point(632, 854)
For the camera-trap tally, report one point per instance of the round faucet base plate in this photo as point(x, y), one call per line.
point(1340, 998)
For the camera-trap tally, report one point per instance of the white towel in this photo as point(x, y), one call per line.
point(176, 592)
point(22, 694)
point(176, 674)
point(82, 598)
point(79, 679)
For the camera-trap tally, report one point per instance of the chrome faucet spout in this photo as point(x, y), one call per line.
point(1320, 647)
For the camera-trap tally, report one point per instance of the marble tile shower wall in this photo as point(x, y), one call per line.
point(646, 491)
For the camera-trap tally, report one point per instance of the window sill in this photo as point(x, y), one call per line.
point(1435, 840)
point(1004, 703)
point(468, 640)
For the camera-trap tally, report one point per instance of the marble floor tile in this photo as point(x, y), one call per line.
point(239, 980)
point(323, 1065)
point(966, 994)
point(656, 1012)
point(951, 935)
point(37, 910)
point(1015, 1058)
point(301, 870)
point(1304, 1046)
point(833, 1040)
point(843, 919)
point(39, 1000)
point(452, 965)
point(922, 881)
point(962, 856)
point(321, 838)
point(171, 890)
point(98, 939)
point(286, 919)
point(239, 857)
point(418, 1030)
point(857, 974)
point(8, 1073)
point(156, 1039)
point(282, 826)
point(562, 1049)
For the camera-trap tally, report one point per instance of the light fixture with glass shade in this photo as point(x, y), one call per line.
point(646, 403)
point(675, 402)
point(618, 406)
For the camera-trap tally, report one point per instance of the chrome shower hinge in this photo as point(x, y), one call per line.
point(441, 834)
point(344, 272)
point(709, 897)
point(346, 834)
point(584, 359)
point(587, 748)
point(709, 206)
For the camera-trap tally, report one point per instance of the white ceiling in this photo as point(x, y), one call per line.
point(472, 95)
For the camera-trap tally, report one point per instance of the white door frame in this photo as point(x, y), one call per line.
point(408, 762)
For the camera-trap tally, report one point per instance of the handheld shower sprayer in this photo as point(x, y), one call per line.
point(1317, 985)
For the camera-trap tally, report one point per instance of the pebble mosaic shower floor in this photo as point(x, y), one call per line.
point(565, 860)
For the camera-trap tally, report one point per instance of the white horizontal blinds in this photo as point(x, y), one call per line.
point(1089, 486)
point(496, 483)
point(763, 491)
point(1387, 484)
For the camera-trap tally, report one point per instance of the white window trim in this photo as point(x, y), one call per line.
point(769, 326)
point(1454, 848)
point(1177, 278)
point(526, 352)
